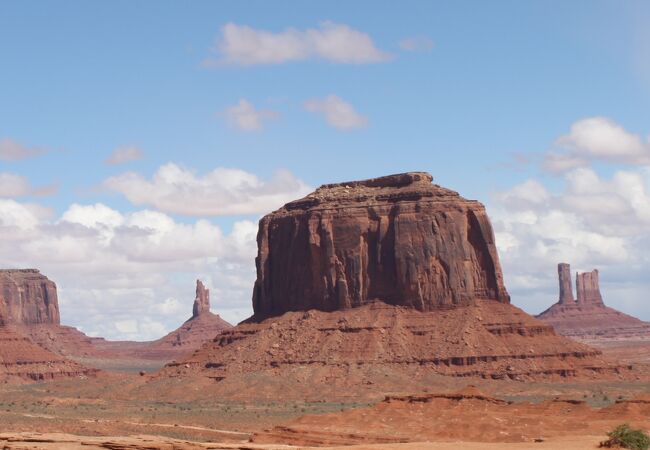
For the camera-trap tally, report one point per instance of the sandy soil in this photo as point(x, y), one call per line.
point(58, 441)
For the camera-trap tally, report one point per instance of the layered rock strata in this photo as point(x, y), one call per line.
point(22, 360)
point(588, 318)
point(27, 298)
point(399, 239)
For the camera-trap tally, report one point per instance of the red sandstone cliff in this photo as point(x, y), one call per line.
point(399, 239)
point(27, 298)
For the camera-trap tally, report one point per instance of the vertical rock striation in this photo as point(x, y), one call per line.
point(588, 288)
point(399, 239)
point(202, 300)
point(566, 287)
point(27, 298)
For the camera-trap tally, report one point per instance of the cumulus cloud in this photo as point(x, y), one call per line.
point(337, 112)
point(243, 45)
point(177, 190)
point(597, 139)
point(130, 276)
point(416, 44)
point(245, 117)
point(11, 150)
point(124, 154)
point(592, 222)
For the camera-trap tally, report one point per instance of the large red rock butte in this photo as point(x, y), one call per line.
point(399, 239)
point(365, 282)
point(588, 318)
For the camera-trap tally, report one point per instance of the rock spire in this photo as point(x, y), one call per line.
point(202, 300)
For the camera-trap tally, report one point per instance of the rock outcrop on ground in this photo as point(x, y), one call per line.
point(459, 417)
point(27, 298)
point(588, 318)
point(379, 280)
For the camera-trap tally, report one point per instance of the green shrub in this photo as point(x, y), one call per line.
point(626, 437)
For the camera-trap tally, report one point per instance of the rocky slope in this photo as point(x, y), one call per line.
point(21, 360)
point(587, 318)
point(379, 280)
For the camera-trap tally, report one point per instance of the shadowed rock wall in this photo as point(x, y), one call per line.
point(399, 239)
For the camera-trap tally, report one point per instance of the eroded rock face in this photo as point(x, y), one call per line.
point(202, 300)
point(588, 288)
point(27, 298)
point(566, 289)
point(399, 239)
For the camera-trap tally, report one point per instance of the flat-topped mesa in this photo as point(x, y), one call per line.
point(202, 300)
point(588, 288)
point(398, 239)
point(27, 298)
point(566, 287)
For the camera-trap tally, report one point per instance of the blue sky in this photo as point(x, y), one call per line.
point(477, 93)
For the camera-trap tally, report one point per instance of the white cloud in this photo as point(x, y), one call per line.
point(244, 117)
point(177, 190)
point(12, 185)
point(11, 150)
point(130, 275)
point(124, 154)
point(416, 44)
point(243, 45)
point(593, 222)
point(337, 112)
point(597, 139)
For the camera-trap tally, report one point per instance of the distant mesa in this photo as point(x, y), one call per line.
point(370, 283)
point(28, 300)
point(587, 318)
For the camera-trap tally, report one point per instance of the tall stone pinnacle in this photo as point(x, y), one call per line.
point(588, 288)
point(202, 300)
point(566, 287)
